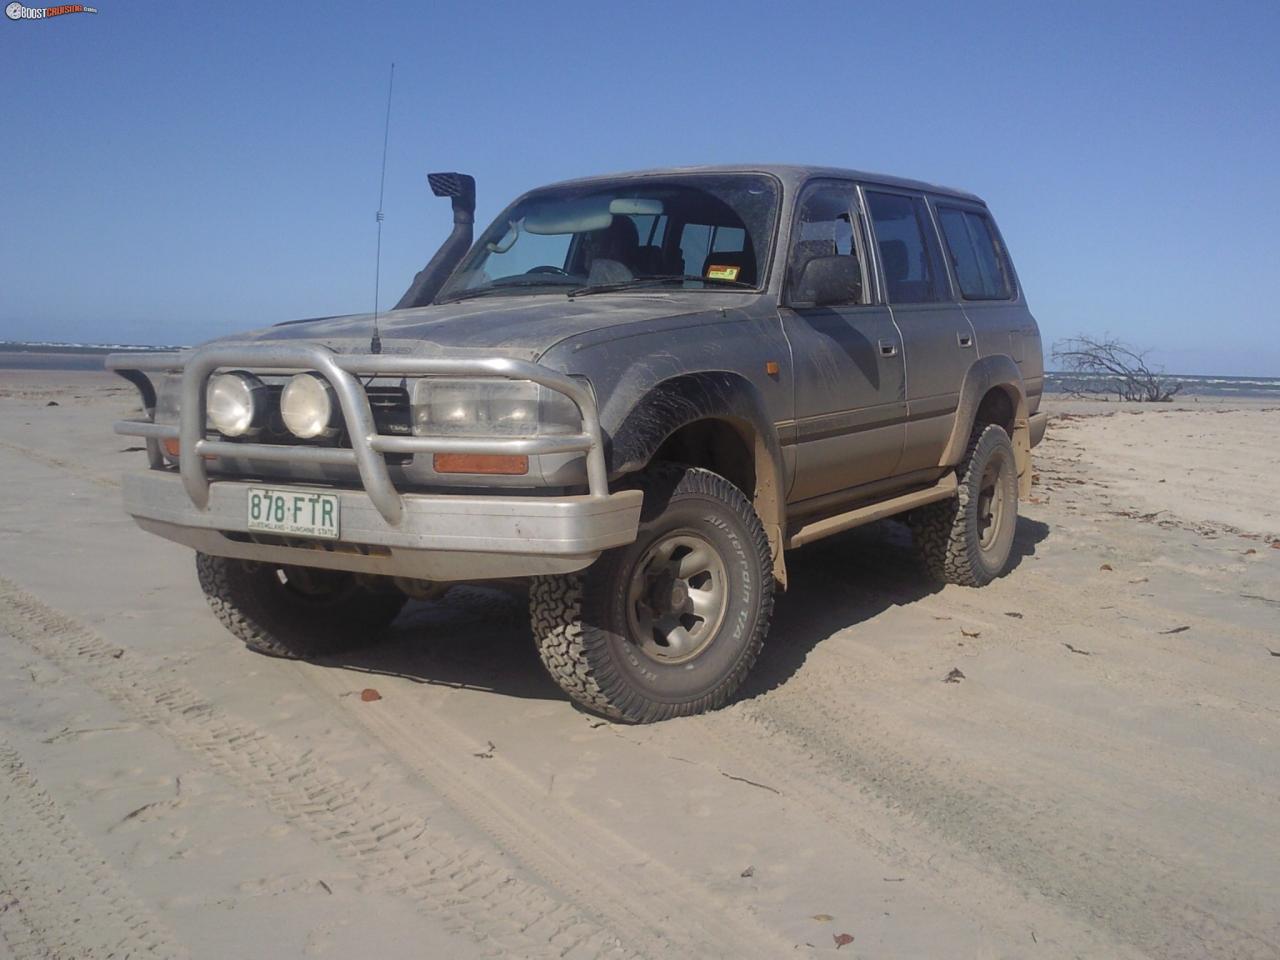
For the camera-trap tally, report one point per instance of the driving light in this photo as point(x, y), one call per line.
point(307, 406)
point(235, 403)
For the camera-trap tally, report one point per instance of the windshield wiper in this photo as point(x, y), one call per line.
point(654, 282)
point(514, 288)
point(470, 294)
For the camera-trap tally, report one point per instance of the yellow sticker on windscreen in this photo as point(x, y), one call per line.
point(722, 272)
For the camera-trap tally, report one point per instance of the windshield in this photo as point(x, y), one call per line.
point(694, 232)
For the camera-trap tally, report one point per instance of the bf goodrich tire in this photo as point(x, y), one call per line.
point(294, 612)
point(669, 625)
point(968, 540)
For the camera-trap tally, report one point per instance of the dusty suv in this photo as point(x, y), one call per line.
point(633, 393)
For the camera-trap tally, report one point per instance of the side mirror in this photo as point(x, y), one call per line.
point(827, 280)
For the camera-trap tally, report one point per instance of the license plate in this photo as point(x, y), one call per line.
point(299, 512)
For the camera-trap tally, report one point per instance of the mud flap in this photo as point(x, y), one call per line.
point(1022, 455)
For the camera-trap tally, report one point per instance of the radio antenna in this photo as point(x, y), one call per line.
point(375, 342)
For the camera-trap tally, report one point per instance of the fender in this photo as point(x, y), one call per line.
point(997, 370)
point(711, 395)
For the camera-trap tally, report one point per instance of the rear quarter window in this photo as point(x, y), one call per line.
point(981, 267)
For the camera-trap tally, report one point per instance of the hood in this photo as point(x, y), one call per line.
point(517, 327)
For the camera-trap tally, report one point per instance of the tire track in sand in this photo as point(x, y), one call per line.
point(58, 897)
point(391, 849)
point(1009, 839)
point(57, 463)
point(571, 851)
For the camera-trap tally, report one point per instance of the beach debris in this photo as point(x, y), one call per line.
point(53, 403)
point(752, 783)
point(1107, 567)
point(1254, 596)
point(1138, 580)
point(842, 939)
point(133, 449)
point(893, 879)
point(955, 676)
point(368, 695)
point(972, 634)
point(936, 617)
point(117, 653)
point(1275, 544)
point(1013, 613)
point(1249, 551)
point(1274, 653)
point(749, 872)
point(1182, 629)
point(1083, 653)
point(822, 917)
point(487, 753)
point(325, 887)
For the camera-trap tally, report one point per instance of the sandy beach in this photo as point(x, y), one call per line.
point(1103, 781)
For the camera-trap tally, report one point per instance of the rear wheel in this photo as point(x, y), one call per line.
point(968, 540)
point(670, 624)
point(295, 612)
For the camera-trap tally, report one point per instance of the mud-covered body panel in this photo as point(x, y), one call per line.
point(834, 404)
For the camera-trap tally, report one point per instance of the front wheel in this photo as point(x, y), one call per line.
point(294, 612)
point(670, 624)
point(968, 540)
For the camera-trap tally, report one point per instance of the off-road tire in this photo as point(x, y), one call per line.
point(580, 620)
point(947, 533)
point(270, 617)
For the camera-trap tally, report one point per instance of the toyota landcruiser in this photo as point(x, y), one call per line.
point(634, 393)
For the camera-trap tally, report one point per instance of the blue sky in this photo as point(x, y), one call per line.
point(176, 171)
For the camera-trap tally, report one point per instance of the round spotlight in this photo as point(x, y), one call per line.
point(307, 406)
point(235, 402)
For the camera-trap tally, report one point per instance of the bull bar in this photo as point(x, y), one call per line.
point(367, 445)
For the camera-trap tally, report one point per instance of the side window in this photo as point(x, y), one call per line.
point(975, 253)
point(904, 237)
point(824, 228)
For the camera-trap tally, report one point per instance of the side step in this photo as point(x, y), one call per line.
point(813, 530)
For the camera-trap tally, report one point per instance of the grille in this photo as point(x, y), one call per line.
point(389, 405)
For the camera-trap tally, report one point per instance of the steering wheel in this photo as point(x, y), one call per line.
point(547, 269)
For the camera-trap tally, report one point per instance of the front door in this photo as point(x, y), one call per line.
point(850, 405)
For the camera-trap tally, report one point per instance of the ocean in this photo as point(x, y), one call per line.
point(1191, 385)
point(89, 357)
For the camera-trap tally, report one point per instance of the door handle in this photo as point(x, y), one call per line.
point(964, 339)
point(888, 348)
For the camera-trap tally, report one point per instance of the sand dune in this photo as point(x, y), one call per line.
point(1103, 782)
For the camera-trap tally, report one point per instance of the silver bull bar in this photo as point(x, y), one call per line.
point(367, 445)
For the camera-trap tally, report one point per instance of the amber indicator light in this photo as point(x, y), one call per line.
point(494, 463)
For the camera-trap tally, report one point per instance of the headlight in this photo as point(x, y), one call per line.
point(236, 403)
point(307, 406)
point(489, 408)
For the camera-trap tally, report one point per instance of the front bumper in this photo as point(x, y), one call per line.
point(438, 537)
point(383, 529)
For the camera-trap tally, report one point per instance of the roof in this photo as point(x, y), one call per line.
point(790, 174)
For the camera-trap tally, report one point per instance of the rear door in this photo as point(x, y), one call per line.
point(987, 286)
point(938, 340)
point(849, 374)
